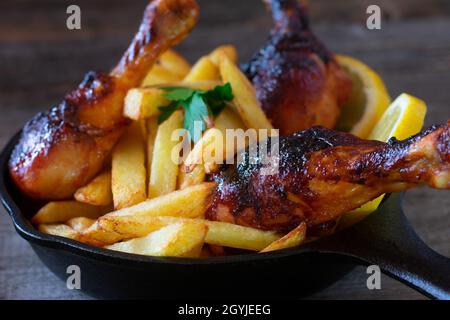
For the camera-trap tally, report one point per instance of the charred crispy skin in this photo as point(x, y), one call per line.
point(323, 174)
point(62, 149)
point(297, 80)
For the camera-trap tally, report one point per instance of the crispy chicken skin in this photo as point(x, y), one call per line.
point(297, 80)
point(323, 174)
point(62, 149)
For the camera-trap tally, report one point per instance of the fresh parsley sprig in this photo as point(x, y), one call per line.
point(198, 105)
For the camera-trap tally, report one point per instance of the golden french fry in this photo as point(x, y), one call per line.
point(152, 129)
point(293, 239)
point(191, 202)
point(80, 224)
point(175, 63)
point(245, 100)
point(135, 226)
point(98, 237)
point(236, 236)
point(61, 211)
point(170, 67)
point(215, 146)
point(207, 67)
point(232, 143)
point(228, 49)
point(187, 179)
point(198, 84)
point(159, 75)
point(128, 169)
point(164, 170)
point(60, 230)
point(141, 103)
point(203, 70)
point(183, 239)
point(219, 233)
point(97, 192)
point(228, 119)
point(208, 151)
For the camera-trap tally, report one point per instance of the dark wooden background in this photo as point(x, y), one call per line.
point(40, 60)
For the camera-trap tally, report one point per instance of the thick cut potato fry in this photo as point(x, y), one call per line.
point(152, 129)
point(60, 230)
point(187, 179)
point(191, 202)
point(191, 173)
point(176, 240)
point(164, 171)
point(98, 237)
point(293, 239)
point(128, 169)
point(170, 67)
point(209, 151)
point(214, 148)
point(97, 192)
point(141, 103)
point(80, 224)
point(236, 236)
point(228, 119)
point(159, 75)
point(245, 100)
point(175, 63)
point(203, 70)
point(219, 233)
point(61, 211)
point(135, 226)
point(228, 50)
point(207, 67)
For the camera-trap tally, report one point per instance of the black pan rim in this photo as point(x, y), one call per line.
point(29, 233)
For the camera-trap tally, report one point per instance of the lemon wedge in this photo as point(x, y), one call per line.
point(368, 100)
point(403, 118)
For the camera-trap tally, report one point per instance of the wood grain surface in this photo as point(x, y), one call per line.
point(40, 60)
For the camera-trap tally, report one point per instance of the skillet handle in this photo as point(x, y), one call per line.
point(387, 239)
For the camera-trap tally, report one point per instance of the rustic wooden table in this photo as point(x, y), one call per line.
point(40, 60)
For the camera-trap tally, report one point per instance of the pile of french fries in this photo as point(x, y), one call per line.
point(144, 203)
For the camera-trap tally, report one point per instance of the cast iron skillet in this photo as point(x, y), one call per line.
point(385, 239)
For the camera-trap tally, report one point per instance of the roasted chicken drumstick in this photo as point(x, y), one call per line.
point(297, 80)
point(62, 149)
point(323, 174)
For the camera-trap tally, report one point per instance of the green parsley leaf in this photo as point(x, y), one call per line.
point(199, 106)
point(221, 93)
point(217, 98)
point(178, 93)
point(166, 112)
point(195, 116)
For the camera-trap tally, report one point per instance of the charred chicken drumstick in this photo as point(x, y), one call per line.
point(297, 80)
point(323, 174)
point(62, 149)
